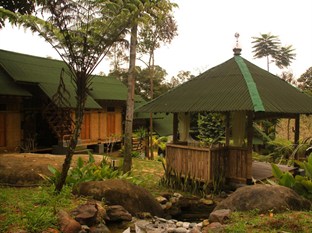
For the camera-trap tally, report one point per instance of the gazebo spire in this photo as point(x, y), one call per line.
point(237, 49)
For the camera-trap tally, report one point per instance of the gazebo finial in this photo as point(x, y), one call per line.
point(237, 49)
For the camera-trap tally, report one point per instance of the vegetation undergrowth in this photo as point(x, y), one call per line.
point(32, 209)
point(90, 171)
point(252, 221)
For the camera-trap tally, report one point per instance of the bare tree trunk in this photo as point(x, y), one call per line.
point(81, 96)
point(130, 102)
point(152, 73)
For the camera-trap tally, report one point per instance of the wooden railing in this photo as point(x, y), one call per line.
point(202, 163)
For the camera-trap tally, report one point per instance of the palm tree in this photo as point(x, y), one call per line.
point(285, 56)
point(265, 46)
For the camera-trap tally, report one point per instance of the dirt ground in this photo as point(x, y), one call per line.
point(23, 169)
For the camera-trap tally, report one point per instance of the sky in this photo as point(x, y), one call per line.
point(206, 30)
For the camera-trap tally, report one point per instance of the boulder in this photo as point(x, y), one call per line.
point(264, 198)
point(90, 213)
point(133, 198)
point(67, 223)
point(220, 216)
point(117, 213)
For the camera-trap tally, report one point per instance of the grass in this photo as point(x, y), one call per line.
point(292, 221)
point(33, 209)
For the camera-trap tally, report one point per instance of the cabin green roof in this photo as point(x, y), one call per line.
point(45, 73)
point(9, 87)
point(235, 85)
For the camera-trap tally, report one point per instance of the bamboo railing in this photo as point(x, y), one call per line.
point(202, 163)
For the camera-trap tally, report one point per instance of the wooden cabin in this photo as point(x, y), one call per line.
point(243, 93)
point(29, 118)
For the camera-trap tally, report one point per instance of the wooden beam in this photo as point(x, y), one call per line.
point(227, 129)
point(175, 127)
point(249, 147)
point(297, 133)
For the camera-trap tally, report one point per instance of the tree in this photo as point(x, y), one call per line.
point(285, 56)
point(130, 101)
point(182, 77)
point(143, 84)
point(269, 46)
point(305, 80)
point(159, 28)
point(289, 77)
point(20, 6)
point(81, 31)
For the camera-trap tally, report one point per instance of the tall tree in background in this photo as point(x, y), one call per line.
point(160, 29)
point(305, 81)
point(81, 31)
point(143, 84)
point(269, 46)
point(182, 77)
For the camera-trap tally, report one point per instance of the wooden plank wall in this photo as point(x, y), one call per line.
point(231, 161)
point(203, 163)
point(189, 161)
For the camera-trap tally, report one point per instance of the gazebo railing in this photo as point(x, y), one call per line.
point(202, 163)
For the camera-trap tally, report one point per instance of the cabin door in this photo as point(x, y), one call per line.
point(2, 129)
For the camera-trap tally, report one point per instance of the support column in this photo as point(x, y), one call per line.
point(227, 129)
point(249, 147)
point(297, 133)
point(175, 127)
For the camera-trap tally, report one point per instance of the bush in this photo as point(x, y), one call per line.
point(90, 171)
point(302, 184)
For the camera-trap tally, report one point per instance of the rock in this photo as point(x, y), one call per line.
point(118, 213)
point(220, 215)
point(206, 201)
point(133, 198)
point(180, 230)
point(186, 225)
point(51, 230)
point(214, 227)
point(161, 199)
point(85, 214)
point(100, 228)
point(67, 223)
point(264, 198)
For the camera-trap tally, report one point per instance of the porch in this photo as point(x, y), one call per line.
point(234, 163)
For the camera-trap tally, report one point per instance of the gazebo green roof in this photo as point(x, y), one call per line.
point(45, 73)
point(235, 85)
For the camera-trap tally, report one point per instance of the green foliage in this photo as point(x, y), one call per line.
point(210, 127)
point(282, 150)
point(90, 171)
point(268, 45)
point(33, 210)
point(305, 80)
point(302, 184)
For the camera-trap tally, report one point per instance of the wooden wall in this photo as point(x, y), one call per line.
point(101, 126)
point(203, 163)
point(10, 124)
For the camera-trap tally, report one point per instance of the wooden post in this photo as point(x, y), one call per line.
point(227, 129)
point(297, 132)
point(249, 147)
point(175, 127)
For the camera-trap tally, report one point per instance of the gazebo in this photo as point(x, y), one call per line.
point(244, 93)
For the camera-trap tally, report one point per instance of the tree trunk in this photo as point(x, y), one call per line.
point(151, 69)
point(130, 102)
point(81, 96)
